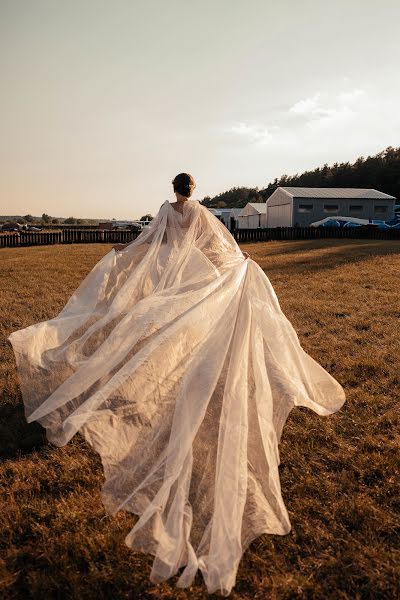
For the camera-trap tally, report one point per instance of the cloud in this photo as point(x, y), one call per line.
point(353, 96)
point(252, 132)
point(309, 106)
point(316, 115)
point(321, 106)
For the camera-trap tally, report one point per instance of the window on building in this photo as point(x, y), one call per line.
point(356, 207)
point(381, 209)
point(331, 207)
point(305, 207)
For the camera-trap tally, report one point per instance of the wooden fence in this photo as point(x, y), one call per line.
point(105, 236)
point(67, 236)
point(312, 233)
point(65, 226)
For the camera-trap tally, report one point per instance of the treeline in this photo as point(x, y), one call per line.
point(46, 219)
point(381, 172)
point(235, 197)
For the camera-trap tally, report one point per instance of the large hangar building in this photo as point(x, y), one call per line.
point(290, 206)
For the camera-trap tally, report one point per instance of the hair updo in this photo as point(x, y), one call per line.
point(184, 184)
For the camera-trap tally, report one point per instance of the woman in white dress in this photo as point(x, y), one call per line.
point(176, 363)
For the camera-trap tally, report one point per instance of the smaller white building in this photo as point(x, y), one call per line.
point(253, 216)
point(228, 216)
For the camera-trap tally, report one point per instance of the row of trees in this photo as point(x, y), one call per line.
point(46, 219)
point(381, 172)
point(235, 197)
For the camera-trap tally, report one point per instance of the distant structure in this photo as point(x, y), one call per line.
point(290, 206)
point(253, 216)
point(122, 224)
point(228, 216)
point(234, 218)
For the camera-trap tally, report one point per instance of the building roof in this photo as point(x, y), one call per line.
point(219, 211)
point(260, 207)
point(236, 211)
point(351, 193)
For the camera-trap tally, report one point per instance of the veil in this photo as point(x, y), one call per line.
point(176, 363)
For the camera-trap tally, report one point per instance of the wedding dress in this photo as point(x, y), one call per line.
point(176, 363)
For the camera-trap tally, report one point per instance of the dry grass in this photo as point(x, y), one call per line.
point(338, 473)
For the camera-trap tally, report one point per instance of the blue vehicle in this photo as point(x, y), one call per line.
point(351, 224)
point(380, 224)
point(396, 219)
point(330, 223)
point(354, 222)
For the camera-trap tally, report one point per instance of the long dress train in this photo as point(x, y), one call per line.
point(176, 363)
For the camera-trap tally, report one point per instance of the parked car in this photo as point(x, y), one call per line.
point(351, 224)
point(11, 227)
point(26, 228)
point(383, 226)
point(330, 223)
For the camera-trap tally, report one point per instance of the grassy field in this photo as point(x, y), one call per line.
point(339, 474)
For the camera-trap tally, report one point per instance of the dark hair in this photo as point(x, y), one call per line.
point(184, 184)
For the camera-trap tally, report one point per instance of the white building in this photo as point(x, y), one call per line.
point(253, 216)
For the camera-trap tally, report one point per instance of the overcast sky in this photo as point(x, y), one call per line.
point(103, 102)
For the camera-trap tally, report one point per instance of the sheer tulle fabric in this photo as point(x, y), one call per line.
point(175, 362)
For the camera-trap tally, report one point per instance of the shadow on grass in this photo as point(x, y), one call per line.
point(369, 247)
point(336, 254)
point(17, 436)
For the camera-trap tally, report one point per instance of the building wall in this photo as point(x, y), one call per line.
point(251, 218)
point(249, 210)
point(253, 221)
point(279, 215)
point(233, 220)
point(308, 210)
point(279, 196)
point(279, 209)
point(225, 216)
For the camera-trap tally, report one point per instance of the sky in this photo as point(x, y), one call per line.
point(103, 102)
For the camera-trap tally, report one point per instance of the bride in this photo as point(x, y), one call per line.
point(176, 363)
